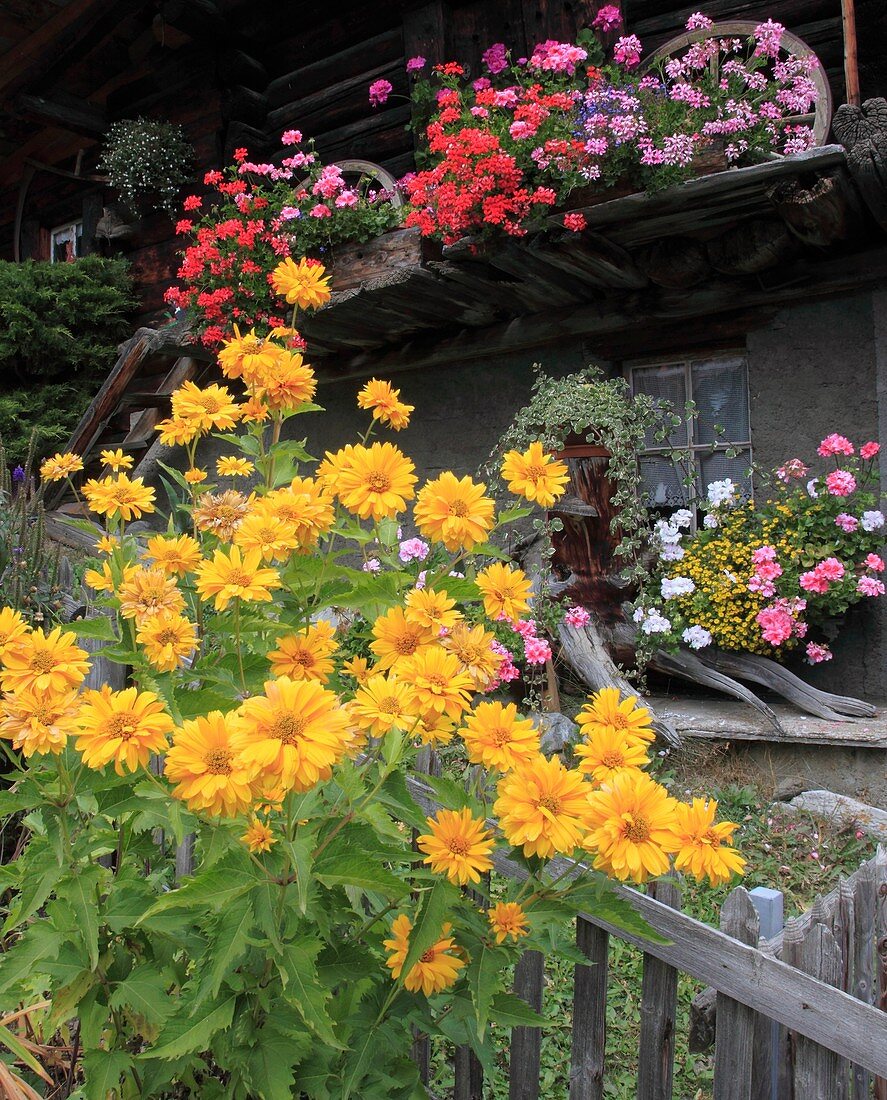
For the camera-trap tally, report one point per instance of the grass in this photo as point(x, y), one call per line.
point(801, 855)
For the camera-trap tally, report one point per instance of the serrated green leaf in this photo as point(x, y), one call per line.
point(184, 1033)
point(145, 992)
point(452, 795)
point(100, 628)
point(357, 870)
point(303, 989)
point(212, 889)
point(38, 884)
point(66, 999)
point(485, 974)
point(433, 912)
point(228, 945)
point(509, 1010)
point(80, 889)
point(299, 851)
point(395, 794)
point(270, 1064)
point(600, 899)
point(102, 1072)
point(193, 703)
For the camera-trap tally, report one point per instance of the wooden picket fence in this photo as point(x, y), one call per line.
point(798, 1017)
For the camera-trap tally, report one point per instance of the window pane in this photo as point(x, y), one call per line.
point(716, 467)
point(720, 391)
point(664, 384)
point(661, 483)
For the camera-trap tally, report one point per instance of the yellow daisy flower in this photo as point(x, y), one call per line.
point(179, 554)
point(247, 356)
point(704, 844)
point(454, 511)
point(458, 845)
point(472, 647)
point(607, 708)
point(507, 918)
point(234, 576)
point(12, 628)
point(194, 476)
point(305, 656)
point(39, 721)
point(231, 466)
point(120, 495)
point(385, 403)
point(505, 591)
point(289, 383)
point(146, 592)
point(220, 514)
point(383, 702)
point(61, 466)
point(607, 752)
point(259, 836)
point(176, 431)
point(396, 639)
point(273, 537)
point(124, 726)
point(117, 460)
point(211, 409)
point(50, 662)
point(437, 968)
point(495, 737)
point(375, 482)
point(303, 284)
point(207, 766)
point(543, 807)
point(438, 684)
point(167, 638)
point(535, 475)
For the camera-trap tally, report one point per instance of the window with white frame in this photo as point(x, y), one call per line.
point(716, 442)
point(65, 242)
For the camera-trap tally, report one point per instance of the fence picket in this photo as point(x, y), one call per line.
point(469, 1083)
point(589, 1013)
point(658, 1009)
point(864, 890)
point(734, 1037)
point(880, 982)
point(818, 1071)
point(526, 1042)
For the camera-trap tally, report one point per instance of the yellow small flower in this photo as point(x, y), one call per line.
point(167, 638)
point(396, 639)
point(177, 431)
point(495, 737)
point(174, 554)
point(457, 845)
point(437, 968)
point(543, 807)
point(207, 764)
point(259, 836)
point(382, 703)
point(46, 662)
point(705, 845)
point(358, 668)
point(431, 609)
point(194, 476)
point(230, 466)
point(607, 752)
point(607, 709)
point(507, 919)
point(117, 460)
point(61, 466)
point(385, 403)
point(438, 683)
point(211, 409)
point(633, 827)
point(120, 495)
point(107, 544)
point(307, 655)
point(145, 592)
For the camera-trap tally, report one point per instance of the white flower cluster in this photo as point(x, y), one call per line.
point(668, 533)
point(677, 586)
point(872, 521)
point(651, 620)
point(721, 492)
point(697, 637)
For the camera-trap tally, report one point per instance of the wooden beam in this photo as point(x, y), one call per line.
point(851, 66)
point(77, 115)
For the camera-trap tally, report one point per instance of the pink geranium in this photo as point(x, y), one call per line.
point(609, 18)
point(380, 90)
point(291, 137)
point(776, 625)
point(495, 58)
point(847, 522)
point(869, 450)
point(769, 570)
point(840, 483)
point(628, 50)
point(526, 628)
point(875, 563)
point(816, 653)
point(813, 582)
point(577, 617)
point(793, 468)
point(870, 586)
point(831, 569)
point(763, 553)
point(575, 222)
point(537, 651)
point(835, 444)
point(416, 64)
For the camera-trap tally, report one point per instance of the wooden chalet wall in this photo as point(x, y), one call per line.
point(239, 72)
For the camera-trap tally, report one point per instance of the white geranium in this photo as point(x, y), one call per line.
point(811, 488)
point(720, 492)
point(710, 522)
point(667, 533)
point(697, 637)
point(655, 623)
point(677, 586)
point(872, 521)
point(683, 517)
point(672, 552)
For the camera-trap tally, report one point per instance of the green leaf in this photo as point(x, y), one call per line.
point(303, 990)
point(37, 885)
point(435, 908)
point(357, 870)
point(452, 795)
point(228, 946)
point(601, 900)
point(509, 515)
point(100, 628)
point(21, 1053)
point(193, 703)
point(184, 1033)
point(486, 973)
point(395, 794)
point(214, 889)
point(66, 999)
point(509, 1010)
point(270, 1065)
point(300, 851)
point(103, 1070)
point(145, 991)
point(81, 892)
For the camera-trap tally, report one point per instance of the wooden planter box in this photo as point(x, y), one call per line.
point(352, 265)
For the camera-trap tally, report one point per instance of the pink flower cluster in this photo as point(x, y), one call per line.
point(766, 570)
point(507, 670)
point(577, 617)
point(840, 483)
point(835, 444)
point(380, 90)
point(536, 650)
point(794, 468)
point(552, 56)
point(609, 18)
point(817, 653)
point(821, 578)
point(781, 620)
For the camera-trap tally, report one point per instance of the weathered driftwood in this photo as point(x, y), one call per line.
point(734, 1035)
point(863, 133)
point(762, 670)
point(820, 214)
point(689, 667)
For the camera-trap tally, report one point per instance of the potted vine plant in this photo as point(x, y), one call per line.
point(147, 161)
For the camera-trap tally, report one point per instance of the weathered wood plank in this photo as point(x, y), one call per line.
point(659, 988)
point(880, 983)
point(818, 1070)
point(864, 900)
point(734, 1036)
point(526, 1042)
point(589, 1014)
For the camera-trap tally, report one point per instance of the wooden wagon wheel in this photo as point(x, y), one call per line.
point(819, 120)
point(361, 175)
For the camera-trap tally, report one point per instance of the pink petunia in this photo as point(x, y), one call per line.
point(840, 483)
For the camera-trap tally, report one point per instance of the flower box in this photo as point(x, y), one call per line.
point(352, 265)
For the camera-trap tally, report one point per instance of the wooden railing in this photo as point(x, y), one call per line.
point(822, 983)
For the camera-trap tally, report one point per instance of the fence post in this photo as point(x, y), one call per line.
point(658, 1009)
point(734, 1036)
point(880, 984)
point(526, 1042)
point(469, 1073)
point(770, 908)
point(818, 1071)
point(589, 1013)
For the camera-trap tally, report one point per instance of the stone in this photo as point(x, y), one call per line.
point(788, 787)
point(558, 731)
point(843, 810)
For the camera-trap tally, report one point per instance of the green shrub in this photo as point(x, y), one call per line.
point(60, 325)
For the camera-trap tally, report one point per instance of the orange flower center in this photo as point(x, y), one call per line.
point(552, 804)
point(428, 956)
point(167, 637)
point(121, 726)
point(239, 578)
point(458, 846)
point(42, 661)
point(46, 716)
point(535, 473)
point(500, 735)
point(288, 728)
point(125, 495)
point(612, 759)
point(711, 837)
point(620, 721)
point(303, 658)
point(210, 403)
point(458, 508)
point(406, 644)
point(436, 681)
point(637, 829)
point(218, 761)
point(225, 513)
point(378, 482)
point(389, 705)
